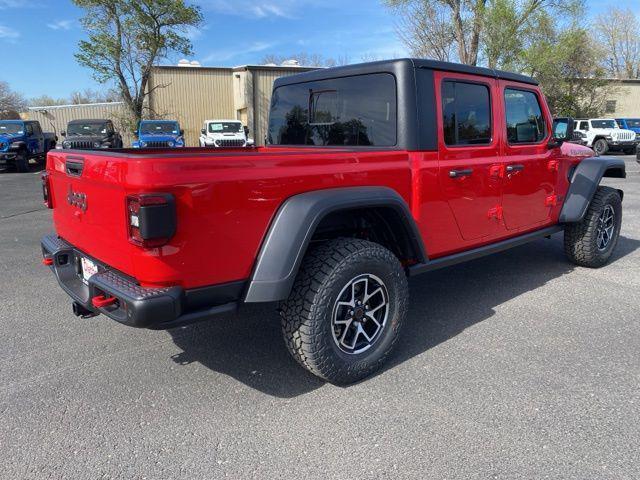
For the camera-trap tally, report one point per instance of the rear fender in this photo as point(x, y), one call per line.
point(294, 225)
point(584, 183)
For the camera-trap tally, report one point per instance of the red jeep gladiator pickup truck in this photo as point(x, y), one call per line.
point(371, 173)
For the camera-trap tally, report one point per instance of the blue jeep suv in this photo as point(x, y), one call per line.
point(159, 134)
point(23, 140)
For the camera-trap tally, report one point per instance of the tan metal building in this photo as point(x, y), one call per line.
point(625, 99)
point(193, 94)
point(55, 118)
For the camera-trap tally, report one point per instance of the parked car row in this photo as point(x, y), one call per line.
point(101, 133)
point(607, 134)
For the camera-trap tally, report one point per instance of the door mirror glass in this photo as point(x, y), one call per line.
point(63, 133)
point(203, 131)
point(562, 131)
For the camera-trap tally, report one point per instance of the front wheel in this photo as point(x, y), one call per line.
point(600, 146)
point(345, 310)
point(591, 242)
point(22, 162)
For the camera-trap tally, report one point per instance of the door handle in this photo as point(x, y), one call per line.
point(460, 173)
point(514, 168)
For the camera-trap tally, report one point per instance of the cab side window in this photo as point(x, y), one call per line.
point(36, 129)
point(584, 125)
point(466, 113)
point(28, 130)
point(525, 122)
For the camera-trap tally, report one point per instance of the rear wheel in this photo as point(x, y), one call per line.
point(345, 309)
point(22, 162)
point(591, 242)
point(600, 146)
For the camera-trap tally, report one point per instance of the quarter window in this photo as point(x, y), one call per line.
point(466, 113)
point(525, 122)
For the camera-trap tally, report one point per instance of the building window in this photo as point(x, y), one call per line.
point(466, 113)
point(610, 106)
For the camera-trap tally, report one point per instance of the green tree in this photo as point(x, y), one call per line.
point(470, 31)
point(567, 62)
point(127, 37)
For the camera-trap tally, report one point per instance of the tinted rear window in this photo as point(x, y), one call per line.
point(466, 113)
point(355, 111)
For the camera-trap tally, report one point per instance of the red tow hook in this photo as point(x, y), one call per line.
point(48, 261)
point(102, 301)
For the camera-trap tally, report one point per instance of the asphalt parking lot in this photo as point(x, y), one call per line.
point(518, 365)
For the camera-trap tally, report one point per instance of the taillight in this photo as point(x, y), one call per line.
point(151, 219)
point(46, 190)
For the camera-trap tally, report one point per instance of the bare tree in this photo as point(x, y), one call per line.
point(437, 28)
point(11, 102)
point(619, 32)
point(427, 32)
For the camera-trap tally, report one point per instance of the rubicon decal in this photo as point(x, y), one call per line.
point(77, 199)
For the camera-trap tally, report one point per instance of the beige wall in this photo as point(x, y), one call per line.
point(191, 96)
point(627, 97)
point(194, 94)
point(56, 118)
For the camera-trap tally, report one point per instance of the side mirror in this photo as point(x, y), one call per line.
point(63, 133)
point(203, 131)
point(181, 131)
point(246, 130)
point(562, 131)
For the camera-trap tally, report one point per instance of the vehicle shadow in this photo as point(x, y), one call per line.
point(248, 346)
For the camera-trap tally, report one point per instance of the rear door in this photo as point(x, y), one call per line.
point(468, 143)
point(531, 171)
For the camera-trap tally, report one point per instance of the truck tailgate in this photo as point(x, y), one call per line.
point(89, 198)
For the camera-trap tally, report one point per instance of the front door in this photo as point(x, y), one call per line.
point(469, 164)
point(530, 174)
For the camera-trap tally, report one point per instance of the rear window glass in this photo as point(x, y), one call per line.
point(354, 111)
point(466, 113)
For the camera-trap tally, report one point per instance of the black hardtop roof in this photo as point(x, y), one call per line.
point(89, 120)
point(393, 65)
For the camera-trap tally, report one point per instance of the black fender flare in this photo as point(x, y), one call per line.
point(584, 182)
point(293, 227)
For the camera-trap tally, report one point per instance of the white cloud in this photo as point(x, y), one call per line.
point(224, 54)
point(11, 4)
point(61, 25)
point(9, 34)
point(255, 9)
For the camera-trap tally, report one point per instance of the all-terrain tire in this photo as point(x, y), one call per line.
point(600, 146)
point(307, 315)
point(582, 242)
point(22, 162)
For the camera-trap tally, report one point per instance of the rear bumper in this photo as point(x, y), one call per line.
point(134, 305)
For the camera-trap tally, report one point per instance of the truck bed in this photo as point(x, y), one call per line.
point(225, 201)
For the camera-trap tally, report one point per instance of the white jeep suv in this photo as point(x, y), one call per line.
point(224, 133)
point(603, 135)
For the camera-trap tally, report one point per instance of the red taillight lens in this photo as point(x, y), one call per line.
point(46, 190)
point(151, 219)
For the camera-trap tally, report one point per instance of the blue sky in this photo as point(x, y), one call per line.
point(39, 37)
